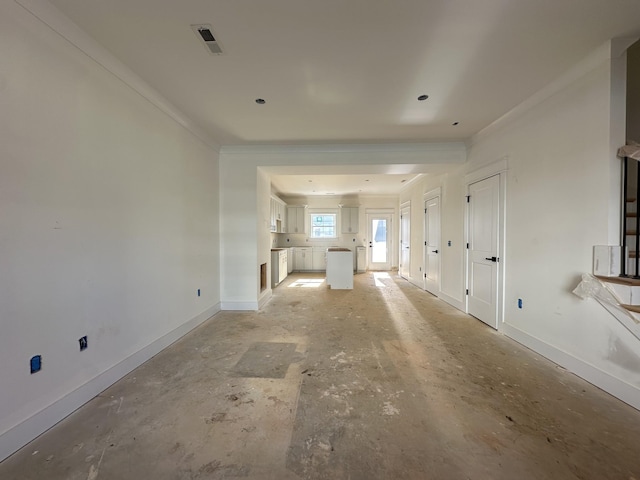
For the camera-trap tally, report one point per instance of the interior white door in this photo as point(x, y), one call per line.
point(482, 264)
point(379, 229)
point(432, 245)
point(405, 242)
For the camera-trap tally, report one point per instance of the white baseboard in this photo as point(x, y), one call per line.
point(265, 298)
point(452, 301)
point(18, 436)
point(616, 387)
point(239, 306)
point(417, 283)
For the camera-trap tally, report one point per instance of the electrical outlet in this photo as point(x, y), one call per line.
point(36, 363)
point(198, 292)
point(449, 243)
point(83, 343)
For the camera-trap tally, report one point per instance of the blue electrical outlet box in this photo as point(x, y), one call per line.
point(519, 303)
point(83, 343)
point(198, 292)
point(36, 363)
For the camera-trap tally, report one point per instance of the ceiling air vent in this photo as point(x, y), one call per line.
point(205, 34)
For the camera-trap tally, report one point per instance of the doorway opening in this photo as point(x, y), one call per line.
point(485, 243)
point(379, 232)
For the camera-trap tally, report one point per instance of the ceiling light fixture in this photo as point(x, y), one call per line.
point(422, 98)
point(260, 101)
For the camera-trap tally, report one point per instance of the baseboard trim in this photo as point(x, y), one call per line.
point(262, 301)
point(620, 389)
point(452, 301)
point(416, 283)
point(20, 435)
point(239, 306)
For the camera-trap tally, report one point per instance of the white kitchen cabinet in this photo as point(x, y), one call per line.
point(278, 215)
point(339, 269)
point(296, 219)
point(278, 266)
point(290, 259)
point(303, 259)
point(319, 262)
point(350, 220)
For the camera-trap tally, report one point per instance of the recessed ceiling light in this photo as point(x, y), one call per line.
point(310, 181)
point(422, 98)
point(402, 181)
point(366, 180)
point(455, 123)
point(260, 101)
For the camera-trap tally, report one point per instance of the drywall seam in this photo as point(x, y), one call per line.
point(610, 384)
point(23, 433)
point(60, 24)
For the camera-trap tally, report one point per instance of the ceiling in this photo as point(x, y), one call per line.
point(350, 71)
point(341, 185)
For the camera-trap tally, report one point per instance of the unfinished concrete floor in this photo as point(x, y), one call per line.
point(380, 382)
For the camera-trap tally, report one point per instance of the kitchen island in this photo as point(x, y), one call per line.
point(340, 268)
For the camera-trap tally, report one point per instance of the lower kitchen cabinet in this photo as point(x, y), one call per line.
point(303, 259)
point(319, 262)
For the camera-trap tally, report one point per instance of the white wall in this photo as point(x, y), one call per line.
point(558, 207)
point(452, 228)
point(108, 226)
point(245, 196)
point(563, 194)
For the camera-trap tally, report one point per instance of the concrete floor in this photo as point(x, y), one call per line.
point(380, 382)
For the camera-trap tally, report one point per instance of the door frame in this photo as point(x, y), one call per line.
point(430, 195)
point(380, 212)
point(402, 268)
point(500, 168)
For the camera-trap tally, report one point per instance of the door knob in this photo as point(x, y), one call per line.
point(435, 251)
point(493, 259)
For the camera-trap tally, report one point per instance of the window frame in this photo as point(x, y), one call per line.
point(324, 212)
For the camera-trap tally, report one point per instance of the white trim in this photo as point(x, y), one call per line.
point(413, 282)
point(379, 211)
point(19, 435)
point(452, 301)
point(499, 167)
point(50, 16)
point(608, 50)
point(240, 306)
point(431, 194)
point(264, 299)
point(456, 148)
point(626, 392)
point(486, 171)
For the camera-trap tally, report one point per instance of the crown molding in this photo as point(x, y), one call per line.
point(53, 18)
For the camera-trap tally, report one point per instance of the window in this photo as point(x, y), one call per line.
point(323, 225)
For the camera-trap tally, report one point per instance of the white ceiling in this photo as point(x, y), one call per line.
point(350, 71)
point(341, 185)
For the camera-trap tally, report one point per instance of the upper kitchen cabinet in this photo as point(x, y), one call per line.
point(278, 215)
point(295, 219)
point(350, 219)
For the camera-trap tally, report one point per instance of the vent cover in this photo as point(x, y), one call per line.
point(205, 34)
